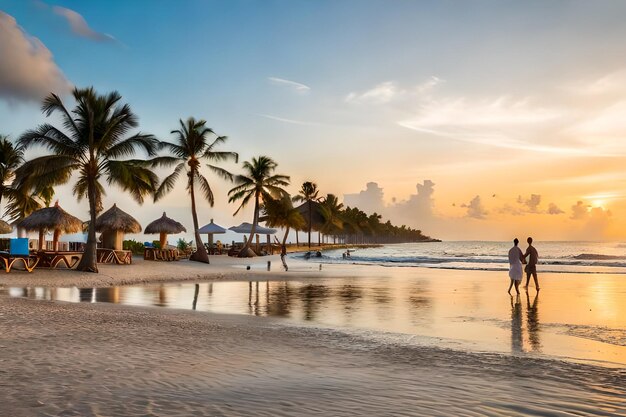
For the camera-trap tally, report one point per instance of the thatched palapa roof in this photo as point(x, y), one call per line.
point(165, 225)
point(317, 220)
point(116, 219)
point(5, 227)
point(51, 219)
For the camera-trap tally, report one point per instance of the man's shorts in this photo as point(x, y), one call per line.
point(530, 269)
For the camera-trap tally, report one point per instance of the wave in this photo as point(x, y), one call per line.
point(597, 256)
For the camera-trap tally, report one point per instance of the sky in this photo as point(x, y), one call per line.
point(470, 120)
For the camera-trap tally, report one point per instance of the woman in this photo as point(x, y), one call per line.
point(516, 258)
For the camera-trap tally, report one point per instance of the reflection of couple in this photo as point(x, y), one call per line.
point(517, 258)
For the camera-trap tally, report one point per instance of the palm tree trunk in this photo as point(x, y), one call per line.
point(310, 217)
point(200, 255)
point(244, 251)
point(88, 263)
point(283, 250)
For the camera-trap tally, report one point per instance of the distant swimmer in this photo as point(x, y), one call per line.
point(516, 257)
point(531, 267)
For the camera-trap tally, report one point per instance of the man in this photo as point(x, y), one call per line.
point(515, 266)
point(531, 267)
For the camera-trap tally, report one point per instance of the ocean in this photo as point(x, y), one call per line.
point(562, 257)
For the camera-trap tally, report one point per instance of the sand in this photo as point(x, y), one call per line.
point(84, 359)
point(106, 360)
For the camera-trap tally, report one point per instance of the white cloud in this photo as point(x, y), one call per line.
point(299, 87)
point(27, 69)
point(79, 25)
point(475, 208)
point(380, 94)
point(285, 120)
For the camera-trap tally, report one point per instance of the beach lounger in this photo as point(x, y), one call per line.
point(18, 251)
point(52, 259)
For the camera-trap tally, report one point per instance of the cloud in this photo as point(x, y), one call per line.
point(369, 200)
point(299, 87)
point(79, 25)
point(380, 94)
point(580, 211)
point(291, 121)
point(27, 70)
point(531, 204)
point(553, 209)
point(475, 208)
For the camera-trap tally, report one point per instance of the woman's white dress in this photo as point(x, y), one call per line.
point(515, 263)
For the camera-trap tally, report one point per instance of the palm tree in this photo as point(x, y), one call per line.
point(192, 145)
point(94, 145)
point(280, 212)
point(11, 157)
point(308, 193)
point(258, 183)
point(331, 209)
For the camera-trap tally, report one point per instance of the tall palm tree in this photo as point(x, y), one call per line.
point(308, 193)
point(95, 146)
point(11, 157)
point(331, 209)
point(258, 183)
point(191, 147)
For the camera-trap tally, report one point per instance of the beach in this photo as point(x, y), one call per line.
point(106, 359)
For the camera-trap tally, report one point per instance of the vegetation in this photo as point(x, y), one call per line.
point(191, 147)
point(308, 193)
point(133, 246)
point(258, 183)
point(93, 145)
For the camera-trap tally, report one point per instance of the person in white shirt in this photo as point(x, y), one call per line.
point(516, 257)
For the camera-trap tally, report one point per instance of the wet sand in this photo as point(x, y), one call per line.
point(110, 360)
point(100, 359)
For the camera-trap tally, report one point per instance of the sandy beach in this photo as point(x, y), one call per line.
point(104, 359)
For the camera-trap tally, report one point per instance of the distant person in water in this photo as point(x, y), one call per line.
point(516, 257)
point(531, 266)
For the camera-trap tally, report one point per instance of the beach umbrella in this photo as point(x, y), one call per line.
point(5, 227)
point(246, 228)
point(113, 224)
point(210, 230)
point(51, 219)
point(164, 226)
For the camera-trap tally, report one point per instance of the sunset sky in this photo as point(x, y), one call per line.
point(468, 119)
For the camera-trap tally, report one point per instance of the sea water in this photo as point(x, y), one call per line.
point(565, 257)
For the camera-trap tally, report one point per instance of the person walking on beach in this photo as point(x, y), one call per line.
point(516, 257)
point(531, 266)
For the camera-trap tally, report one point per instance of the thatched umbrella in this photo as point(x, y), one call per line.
point(164, 226)
point(5, 227)
point(210, 230)
point(246, 229)
point(53, 219)
point(113, 224)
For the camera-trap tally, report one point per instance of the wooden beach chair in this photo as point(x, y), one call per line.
point(18, 251)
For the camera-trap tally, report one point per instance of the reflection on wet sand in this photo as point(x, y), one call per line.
point(532, 322)
point(457, 312)
point(517, 341)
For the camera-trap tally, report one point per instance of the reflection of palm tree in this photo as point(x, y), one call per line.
point(517, 341)
point(312, 297)
point(280, 300)
point(195, 296)
point(532, 322)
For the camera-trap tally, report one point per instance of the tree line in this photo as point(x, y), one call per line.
point(95, 148)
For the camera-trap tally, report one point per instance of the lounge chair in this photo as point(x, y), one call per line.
point(18, 251)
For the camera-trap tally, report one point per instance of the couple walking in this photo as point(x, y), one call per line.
point(517, 258)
